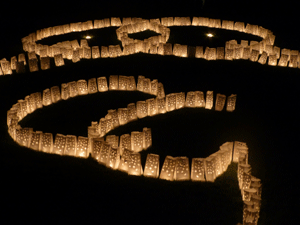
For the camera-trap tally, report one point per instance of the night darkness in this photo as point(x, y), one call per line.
point(42, 188)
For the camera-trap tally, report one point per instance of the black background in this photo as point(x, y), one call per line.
point(41, 188)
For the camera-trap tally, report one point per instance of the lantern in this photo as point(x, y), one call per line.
point(141, 109)
point(243, 156)
point(124, 161)
point(45, 63)
point(231, 102)
point(224, 155)
point(113, 140)
point(106, 22)
point(152, 166)
point(96, 144)
point(220, 53)
point(256, 202)
point(209, 100)
point(286, 52)
point(73, 88)
point(47, 142)
point(31, 103)
point(65, 91)
point(247, 194)
point(168, 169)
point(131, 110)
point(55, 94)
point(21, 58)
point(250, 216)
point(238, 52)
point(101, 150)
point(75, 56)
point(82, 87)
point(80, 53)
point(33, 66)
point(257, 188)
point(58, 59)
point(59, 144)
point(47, 97)
point(171, 102)
point(209, 169)
point(254, 55)
point(92, 86)
point(195, 21)
point(82, 147)
point(199, 52)
point(20, 68)
point(115, 117)
point(160, 90)
point(134, 164)
point(237, 147)
point(199, 99)
point(182, 169)
point(246, 181)
point(230, 25)
point(242, 168)
point(198, 169)
point(161, 105)
point(140, 83)
point(113, 82)
point(190, 99)
point(283, 61)
point(112, 51)
point(220, 102)
point(263, 58)
point(123, 82)
point(160, 49)
point(87, 53)
point(97, 24)
point(176, 49)
point(23, 108)
point(104, 52)
point(125, 142)
point(229, 53)
point(183, 50)
point(102, 127)
point(154, 87)
point(102, 84)
point(246, 53)
point(115, 22)
point(152, 106)
point(23, 136)
point(113, 158)
point(35, 140)
point(38, 100)
point(239, 26)
point(170, 21)
point(146, 85)
point(217, 23)
point(217, 160)
point(147, 138)
point(168, 49)
point(95, 52)
point(66, 28)
point(210, 53)
point(153, 49)
point(180, 100)
point(123, 115)
point(126, 21)
point(137, 141)
point(293, 61)
point(70, 145)
point(13, 61)
point(272, 60)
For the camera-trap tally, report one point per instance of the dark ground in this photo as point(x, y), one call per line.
point(41, 188)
